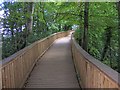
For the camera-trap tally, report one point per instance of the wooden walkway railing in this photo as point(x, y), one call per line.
point(92, 73)
point(16, 68)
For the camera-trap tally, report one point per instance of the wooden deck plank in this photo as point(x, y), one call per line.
point(55, 69)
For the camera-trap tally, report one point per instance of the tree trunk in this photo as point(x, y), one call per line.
point(118, 7)
point(65, 27)
point(30, 10)
point(59, 27)
point(85, 36)
point(110, 57)
point(108, 35)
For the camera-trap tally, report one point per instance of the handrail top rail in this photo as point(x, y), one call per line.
point(22, 51)
point(112, 74)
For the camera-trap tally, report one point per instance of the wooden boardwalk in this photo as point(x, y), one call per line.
point(55, 69)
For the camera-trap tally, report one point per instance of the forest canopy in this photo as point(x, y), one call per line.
point(98, 26)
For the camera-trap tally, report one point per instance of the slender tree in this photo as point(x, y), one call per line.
point(85, 36)
point(30, 10)
point(108, 35)
point(118, 8)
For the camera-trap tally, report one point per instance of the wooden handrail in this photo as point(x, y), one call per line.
point(92, 73)
point(16, 68)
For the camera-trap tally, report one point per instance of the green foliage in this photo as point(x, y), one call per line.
point(77, 35)
point(101, 16)
point(52, 17)
point(16, 16)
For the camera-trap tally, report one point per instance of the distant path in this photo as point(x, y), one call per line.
point(55, 69)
